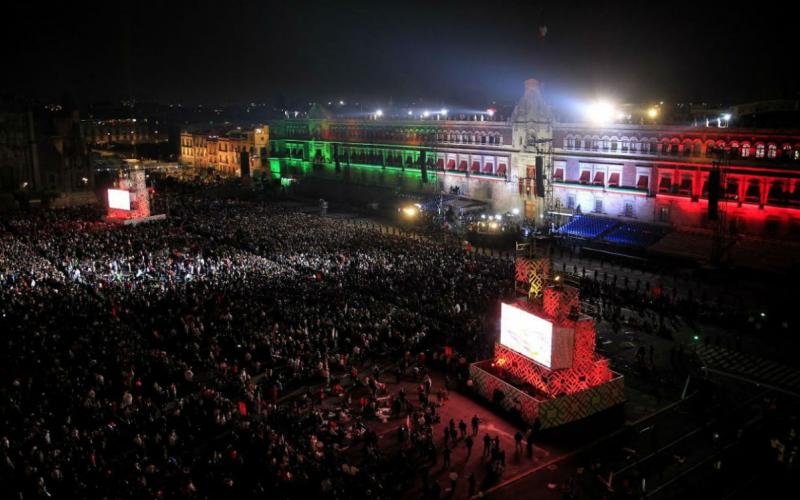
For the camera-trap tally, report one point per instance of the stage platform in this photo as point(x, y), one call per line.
point(551, 412)
point(133, 222)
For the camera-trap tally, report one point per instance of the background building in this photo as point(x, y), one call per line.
point(43, 153)
point(222, 150)
point(643, 173)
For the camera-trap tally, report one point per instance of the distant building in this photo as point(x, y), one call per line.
point(44, 152)
point(222, 150)
point(124, 131)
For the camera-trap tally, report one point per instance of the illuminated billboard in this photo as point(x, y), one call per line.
point(119, 198)
point(536, 338)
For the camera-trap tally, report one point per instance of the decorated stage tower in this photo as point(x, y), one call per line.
point(545, 365)
point(129, 200)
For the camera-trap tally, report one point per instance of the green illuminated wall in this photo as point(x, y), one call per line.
point(404, 177)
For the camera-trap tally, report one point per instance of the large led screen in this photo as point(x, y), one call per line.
point(119, 198)
point(527, 334)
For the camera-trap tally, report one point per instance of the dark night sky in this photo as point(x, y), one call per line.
point(454, 52)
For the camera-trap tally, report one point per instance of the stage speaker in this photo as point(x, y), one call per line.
point(713, 194)
point(540, 177)
point(244, 164)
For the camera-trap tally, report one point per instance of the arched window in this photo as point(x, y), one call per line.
point(760, 150)
point(745, 150)
point(772, 151)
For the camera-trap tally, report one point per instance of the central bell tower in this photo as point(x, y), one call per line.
point(532, 132)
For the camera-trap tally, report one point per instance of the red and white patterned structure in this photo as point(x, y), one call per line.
point(136, 186)
point(555, 396)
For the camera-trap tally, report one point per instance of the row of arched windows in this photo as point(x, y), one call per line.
point(687, 147)
point(414, 135)
point(735, 187)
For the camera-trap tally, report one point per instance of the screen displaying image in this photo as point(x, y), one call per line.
point(526, 334)
point(119, 198)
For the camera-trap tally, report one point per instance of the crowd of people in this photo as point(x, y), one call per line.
point(189, 357)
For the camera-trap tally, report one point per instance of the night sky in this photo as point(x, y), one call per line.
point(452, 52)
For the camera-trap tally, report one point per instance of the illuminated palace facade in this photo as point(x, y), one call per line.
point(660, 174)
point(652, 174)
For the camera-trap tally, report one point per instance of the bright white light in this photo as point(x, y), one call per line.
point(444, 112)
point(515, 211)
point(426, 113)
point(379, 113)
point(600, 112)
point(341, 103)
point(620, 115)
point(410, 112)
point(652, 112)
point(119, 198)
point(726, 116)
point(483, 216)
point(498, 217)
point(526, 334)
point(490, 112)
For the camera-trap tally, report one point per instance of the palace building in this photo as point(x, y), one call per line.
point(552, 172)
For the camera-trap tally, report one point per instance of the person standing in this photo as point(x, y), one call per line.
point(453, 478)
point(475, 423)
point(518, 443)
point(530, 443)
point(468, 442)
point(487, 445)
point(462, 427)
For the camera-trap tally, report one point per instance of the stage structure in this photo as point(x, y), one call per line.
point(545, 365)
point(129, 201)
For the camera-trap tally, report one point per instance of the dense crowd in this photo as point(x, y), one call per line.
point(188, 357)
